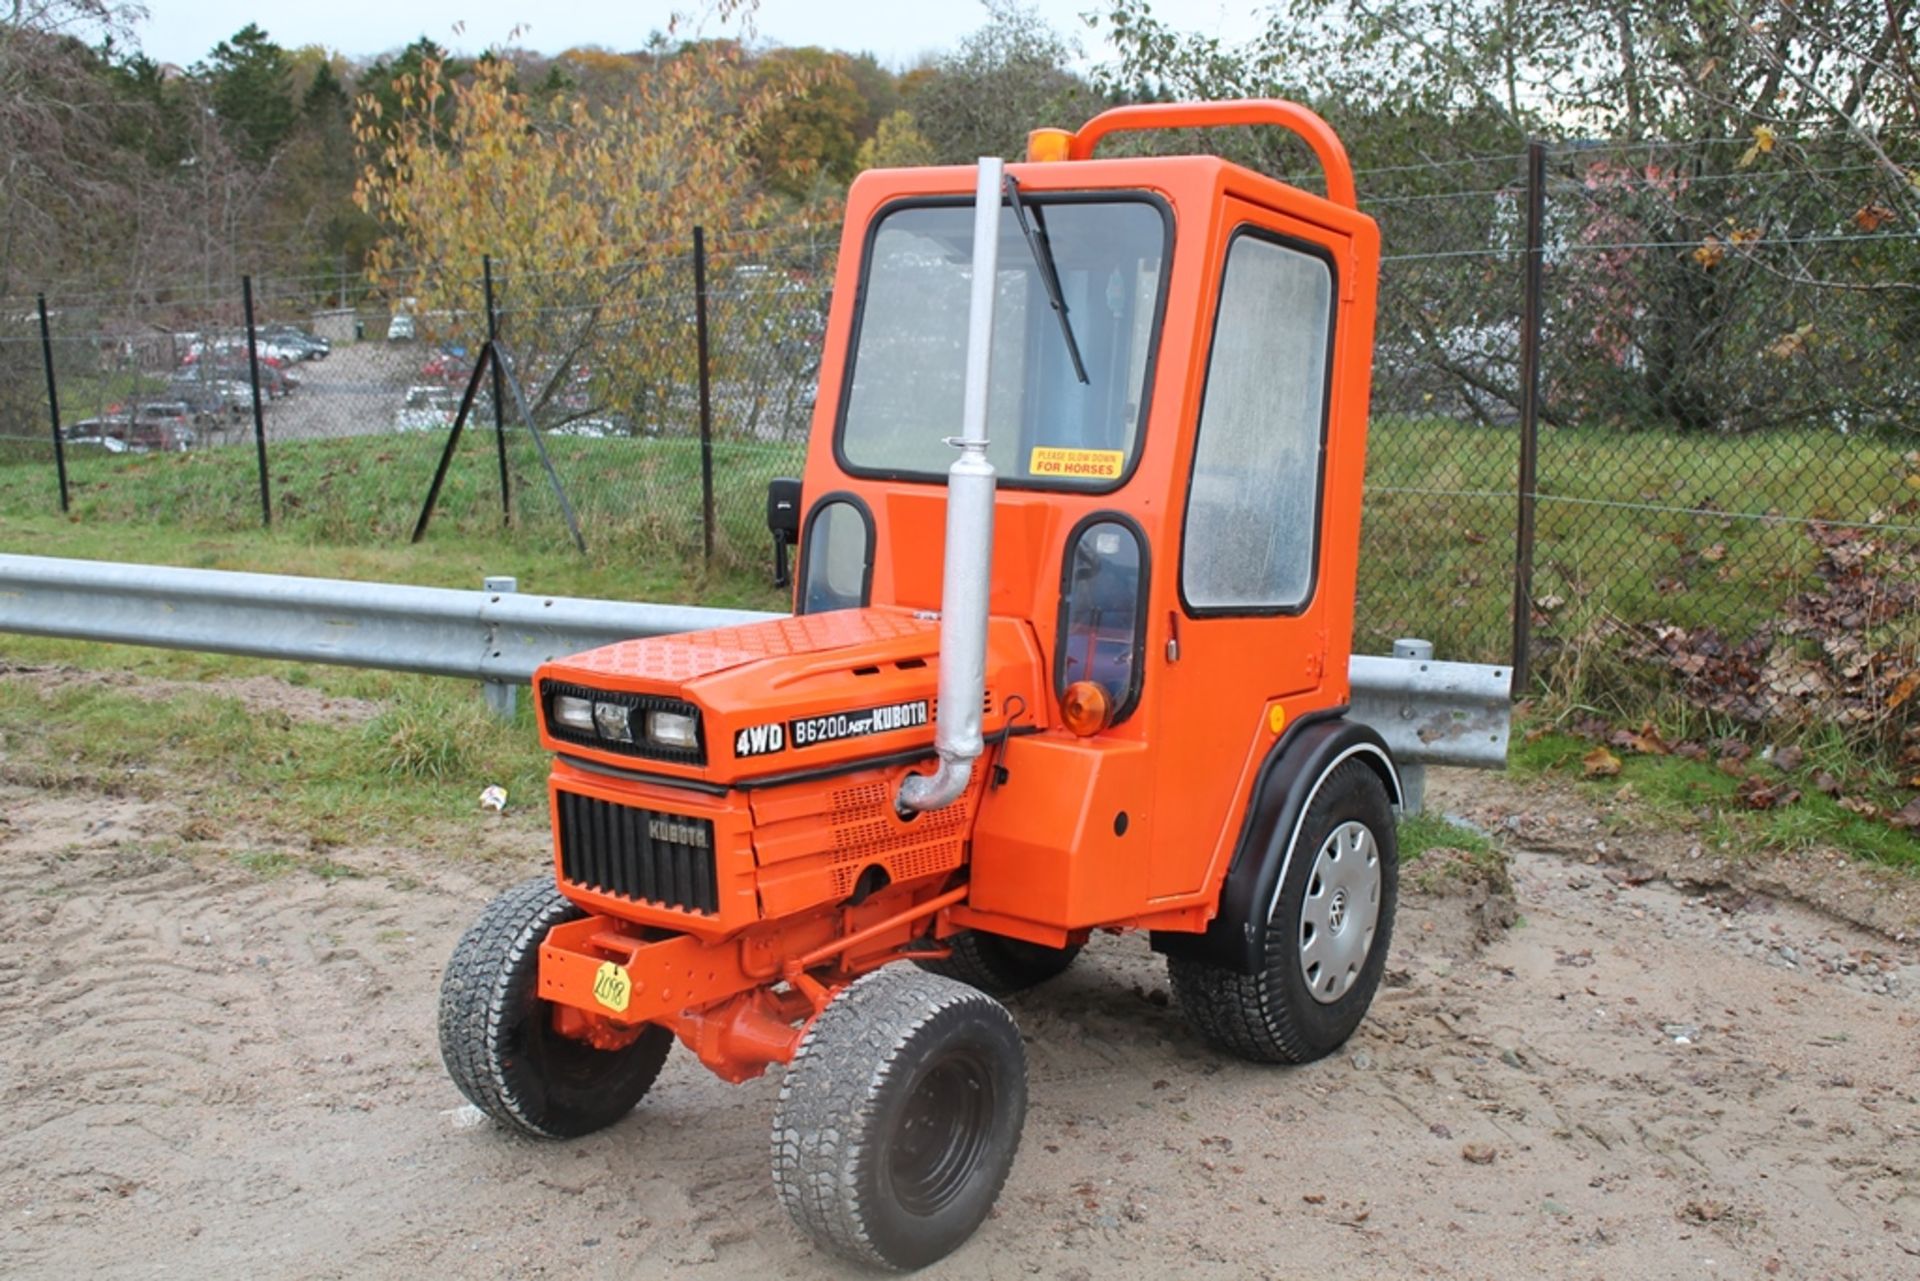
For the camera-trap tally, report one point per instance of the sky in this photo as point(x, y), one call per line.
point(182, 31)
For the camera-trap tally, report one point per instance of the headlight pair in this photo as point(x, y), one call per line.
point(639, 724)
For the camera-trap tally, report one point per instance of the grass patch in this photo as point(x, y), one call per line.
point(634, 497)
point(1425, 831)
point(237, 767)
point(1702, 797)
point(1640, 525)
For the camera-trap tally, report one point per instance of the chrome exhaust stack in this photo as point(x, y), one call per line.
point(965, 584)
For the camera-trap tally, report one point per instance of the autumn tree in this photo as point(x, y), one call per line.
point(587, 211)
point(896, 144)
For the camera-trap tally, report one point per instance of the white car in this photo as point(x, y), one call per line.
point(426, 409)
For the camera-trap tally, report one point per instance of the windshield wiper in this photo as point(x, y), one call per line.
point(1049, 274)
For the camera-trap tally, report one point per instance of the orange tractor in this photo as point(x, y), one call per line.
point(1073, 608)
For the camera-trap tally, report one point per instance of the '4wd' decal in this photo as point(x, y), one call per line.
point(834, 727)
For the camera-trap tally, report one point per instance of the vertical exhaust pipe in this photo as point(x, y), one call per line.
point(970, 484)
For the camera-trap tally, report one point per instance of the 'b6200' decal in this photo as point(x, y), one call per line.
point(811, 731)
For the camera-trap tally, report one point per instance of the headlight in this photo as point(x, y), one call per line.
point(574, 713)
point(614, 721)
point(671, 729)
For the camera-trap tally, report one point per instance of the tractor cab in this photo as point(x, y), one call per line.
point(1077, 541)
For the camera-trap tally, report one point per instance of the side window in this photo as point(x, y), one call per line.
point(1103, 610)
point(1253, 512)
point(836, 563)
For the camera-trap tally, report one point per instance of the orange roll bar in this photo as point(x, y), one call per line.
point(1310, 129)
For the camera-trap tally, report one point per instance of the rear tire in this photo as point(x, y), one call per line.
point(1326, 937)
point(899, 1118)
point(497, 1037)
point(1001, 966)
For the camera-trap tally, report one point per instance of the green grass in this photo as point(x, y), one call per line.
point(637, 499)
point(1425, 831)
point(412, 773)
point(1700, 797)
point(1439, 565)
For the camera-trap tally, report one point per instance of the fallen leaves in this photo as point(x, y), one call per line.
point(1599, 763)
point(1756, 793)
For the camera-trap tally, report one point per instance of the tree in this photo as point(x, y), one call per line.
point(815, 130)
point(250, 82)
point(896, 144)
point(1005, 80)
point(587, 210)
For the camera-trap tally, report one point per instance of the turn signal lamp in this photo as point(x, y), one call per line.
point(1049, 144)
point(1086, 708)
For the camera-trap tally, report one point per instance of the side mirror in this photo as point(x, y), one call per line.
point(783, 522)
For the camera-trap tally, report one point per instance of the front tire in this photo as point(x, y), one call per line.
point(1326, 936)
point(497, 1036)
point(1001, 966)
point(899, 1118)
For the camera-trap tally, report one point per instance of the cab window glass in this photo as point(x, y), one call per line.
point(836, 559)
point(1101, 613)
point(1253, 508)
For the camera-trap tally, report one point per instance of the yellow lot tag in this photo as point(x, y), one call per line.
point(1077, 464)
point(612, 987)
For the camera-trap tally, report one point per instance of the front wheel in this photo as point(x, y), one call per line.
point(497, 1036)
point(899, 1118)
point(1001, 966)
point(1326, 940)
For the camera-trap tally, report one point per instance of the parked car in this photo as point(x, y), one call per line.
point(97, 433)
point(448, 365)
point(211, 397)
point(299, 340)
point(168, 422)
point(426, 408)
point(400, 329)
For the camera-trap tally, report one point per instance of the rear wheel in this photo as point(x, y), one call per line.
point(999, 965)
point(899, 1118)
point(1326, 935)
point(497, 1036)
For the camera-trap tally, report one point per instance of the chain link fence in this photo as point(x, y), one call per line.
point(1722, 335)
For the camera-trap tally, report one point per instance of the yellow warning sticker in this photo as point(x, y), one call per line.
point(612, 987)
point(1077, 464)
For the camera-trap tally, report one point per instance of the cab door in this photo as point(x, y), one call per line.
point(1249, 620)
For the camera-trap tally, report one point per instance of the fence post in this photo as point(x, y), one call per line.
point(706, 389)
point(259, 421)
point(499, 419)
point(1530, 326)
point(53, 403)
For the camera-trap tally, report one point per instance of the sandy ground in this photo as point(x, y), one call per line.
point(208, 1073)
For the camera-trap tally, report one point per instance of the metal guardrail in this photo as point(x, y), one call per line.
point(1429, 712)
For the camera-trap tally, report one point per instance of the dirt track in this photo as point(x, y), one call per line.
point(213, 1074)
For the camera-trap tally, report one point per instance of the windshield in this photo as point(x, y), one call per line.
point(1046, 427)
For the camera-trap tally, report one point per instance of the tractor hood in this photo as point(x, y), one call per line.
point(793, 695)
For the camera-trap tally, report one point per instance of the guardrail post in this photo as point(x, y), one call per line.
point(502, 699)
point(1413, 778)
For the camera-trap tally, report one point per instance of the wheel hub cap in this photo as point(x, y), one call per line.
point(1340, 912)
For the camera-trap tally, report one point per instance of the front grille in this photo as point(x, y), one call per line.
point(638, 854)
